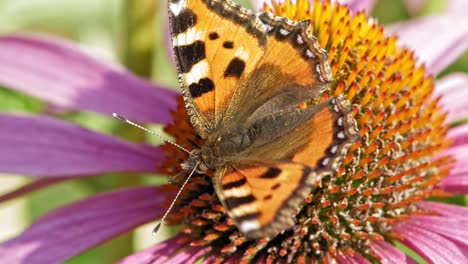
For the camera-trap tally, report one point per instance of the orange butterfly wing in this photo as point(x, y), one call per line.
point(292, 59)
point(261, 199)
point(216, 43)
point(262, 196)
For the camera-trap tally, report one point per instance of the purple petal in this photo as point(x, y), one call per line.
point(457, 6)
point(453, 92)
point(443, 226)
point(30, 187)
point(160, 253)
point(451, 211)
point(258, 4)
point(448, 35)
point(57, 72)
point(430, 246)
point(457, 181)
point(359, 5)
point(347, 259)
point(389, 254)
point(191, 255)
point(459, 135)
point(73, 229)
point(46, 147)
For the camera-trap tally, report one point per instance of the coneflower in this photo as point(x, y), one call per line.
point(409, 150)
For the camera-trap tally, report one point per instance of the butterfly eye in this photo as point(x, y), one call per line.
point(219, 139)
point(202, 168)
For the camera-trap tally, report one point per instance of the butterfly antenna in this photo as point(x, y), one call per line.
point(155, 230)
point(125, 120)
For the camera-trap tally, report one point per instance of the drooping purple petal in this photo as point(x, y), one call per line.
point(191, 255)
point(57, 72)
point(347, 259)
point(47, 147)
point(258, 4)
point(390, 254)
point(443, 226)
point(457, 6)
point(73, 229)
point(459, 135)
point(457, 181)
point(359, 5)
point(448, 35)
point(30, 187)
point(449, 210)
point(453, 92)
point(160, 253)
point(431, 246)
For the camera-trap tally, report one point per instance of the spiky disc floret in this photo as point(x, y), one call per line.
point(394, 165)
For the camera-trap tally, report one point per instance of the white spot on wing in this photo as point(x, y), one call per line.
point(340, 135)
point(242, 53)
point(188, 37)
point(318, 69)
point(176, 7)
point(336, 108)
point(269, 28)
point(250, 225)
point(198, 71)
point(325, 161)
point(284, 32)
point(244, 210)
point(309, 54)
point(340, 121)
point(299, 39)
point(236, 192)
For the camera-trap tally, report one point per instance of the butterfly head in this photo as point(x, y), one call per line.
point(195, 161)
point(209, 157)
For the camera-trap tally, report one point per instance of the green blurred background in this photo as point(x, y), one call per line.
point(131, 33)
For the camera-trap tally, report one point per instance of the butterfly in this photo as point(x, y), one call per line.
point(252, 85)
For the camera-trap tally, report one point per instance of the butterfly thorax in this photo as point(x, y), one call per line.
point(220, 149)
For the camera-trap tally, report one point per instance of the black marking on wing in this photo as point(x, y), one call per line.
point(276, 186)
point(205, 85)
point(233, 202)
point(213, 36)
point(185, 20)
point(239, 15)
point(271, 173)
point(250, 216)
point(234, 184)
point(189, 55)
point(235, 68)
point(228, 44)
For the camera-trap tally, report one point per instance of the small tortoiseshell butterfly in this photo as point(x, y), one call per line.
point(251, 85)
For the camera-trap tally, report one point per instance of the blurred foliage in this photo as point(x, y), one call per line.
point(133, 33)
